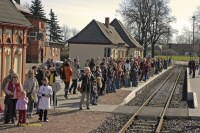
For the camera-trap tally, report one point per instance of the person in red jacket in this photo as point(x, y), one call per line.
point(13, 89)
point(68, 73)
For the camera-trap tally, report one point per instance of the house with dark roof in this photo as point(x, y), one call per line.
point(13, 40)
point(98, 40)
point(135, 49)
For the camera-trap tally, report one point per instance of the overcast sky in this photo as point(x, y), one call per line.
point(78, 13)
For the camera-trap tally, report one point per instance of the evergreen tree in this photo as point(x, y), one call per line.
point(54, 28)
point(37, 9)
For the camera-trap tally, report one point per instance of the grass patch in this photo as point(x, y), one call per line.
point(179, 58)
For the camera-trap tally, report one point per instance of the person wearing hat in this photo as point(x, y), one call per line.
point(13, 89)
point(45, 92)
point(31, 87)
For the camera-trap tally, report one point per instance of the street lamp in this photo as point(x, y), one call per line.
point(193, 18)
point(167, 40)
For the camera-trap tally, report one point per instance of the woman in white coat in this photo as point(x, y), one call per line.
point(45, 92)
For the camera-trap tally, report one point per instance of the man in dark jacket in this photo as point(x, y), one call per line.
point(86, 85)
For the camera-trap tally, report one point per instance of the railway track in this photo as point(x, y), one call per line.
point(136, 125)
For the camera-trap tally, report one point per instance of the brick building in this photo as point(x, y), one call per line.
point(39, 49)
point(13, 40)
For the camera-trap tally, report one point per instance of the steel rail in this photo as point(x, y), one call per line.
point(160, 123)
point(132, 119)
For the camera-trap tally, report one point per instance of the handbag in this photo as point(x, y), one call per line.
point(80, 89)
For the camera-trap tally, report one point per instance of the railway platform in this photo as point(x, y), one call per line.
point(193, 94)
point(73, 102)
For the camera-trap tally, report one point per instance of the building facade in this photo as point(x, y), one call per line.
point(13, 41)
point(39, 48)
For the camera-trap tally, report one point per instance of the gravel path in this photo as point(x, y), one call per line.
point(182, 126)
point(179, 98)
point(62, 122)
point(112, 124)
point(161, 97)
point(148, 90)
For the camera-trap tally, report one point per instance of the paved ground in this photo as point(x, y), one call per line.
point(107, 103)
point(195, 87)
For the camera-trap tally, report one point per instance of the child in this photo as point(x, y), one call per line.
point(22, 107)
point(94, 93)
point(99, 85)
point(45, 92)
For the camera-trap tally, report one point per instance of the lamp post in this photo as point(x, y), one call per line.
point(167, 41)
point(193, 18)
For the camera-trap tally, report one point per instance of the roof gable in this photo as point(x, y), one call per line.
point(110, 33)
point(97, 33)
point(125, 35)
point(91, 34)
point(10, 14)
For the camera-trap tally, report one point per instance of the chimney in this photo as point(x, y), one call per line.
point(107, 23)
point(17, 1)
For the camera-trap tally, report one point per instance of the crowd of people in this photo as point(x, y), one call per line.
point(100, 76)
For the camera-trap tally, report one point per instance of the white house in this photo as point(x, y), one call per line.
point(98, 40)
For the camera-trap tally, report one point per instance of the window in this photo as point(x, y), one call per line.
point(53, 52)
point(19, 40)
point(7, 33)
point(107, 52)
point(8, 40)
point(33, 35)
point(41, 25)
point(56, 51)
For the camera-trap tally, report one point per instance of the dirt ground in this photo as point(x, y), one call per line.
point(60, 121)
point(64, 121)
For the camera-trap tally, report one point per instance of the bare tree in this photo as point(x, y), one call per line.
point(197, 24)
point(66, 32)
point(148, 19)
point(185, 37)
point(74, 31)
